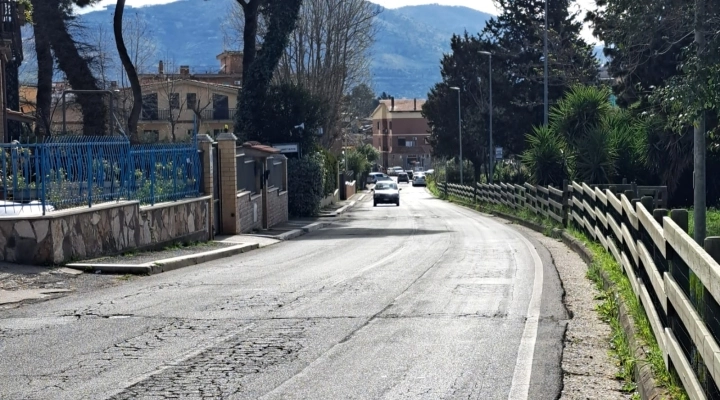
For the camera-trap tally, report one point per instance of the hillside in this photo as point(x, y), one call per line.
point(405, 57)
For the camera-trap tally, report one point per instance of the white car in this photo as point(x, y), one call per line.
point(386, 192)
point(32, 208)
point(419, 179)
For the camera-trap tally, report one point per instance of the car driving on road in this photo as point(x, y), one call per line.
point(386, 193)
point(373, 177)
point(403, 177)
point(419, 179)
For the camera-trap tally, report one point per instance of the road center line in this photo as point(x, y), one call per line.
point(519, 390)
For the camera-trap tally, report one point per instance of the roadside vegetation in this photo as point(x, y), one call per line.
point(603, 264)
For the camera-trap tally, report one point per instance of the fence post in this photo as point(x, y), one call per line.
point(152, 178)
point(205, 143)
point(227, 142)
point(446, 187)
point(89, 173)
point(43, 165)
point(565, 209)
point(474, 192)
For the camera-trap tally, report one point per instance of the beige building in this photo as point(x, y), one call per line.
point(171, 108)
point(401, 133)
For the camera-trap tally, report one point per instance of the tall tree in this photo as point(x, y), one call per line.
point(56, 17)
point(131, 72)
point(282, 16)
point(44, 82)
point(251, 13)
point(515, 37)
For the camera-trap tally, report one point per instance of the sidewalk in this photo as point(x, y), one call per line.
point(22, 283)
point(222, 246)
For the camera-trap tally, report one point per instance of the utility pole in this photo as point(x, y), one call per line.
point(699, 204)
point(545, 60)
point(490, 138)
point(459, 133)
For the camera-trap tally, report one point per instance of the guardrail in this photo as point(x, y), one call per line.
point(676, 280)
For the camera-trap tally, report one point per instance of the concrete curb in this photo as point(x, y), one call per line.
point(167, 264)
point(644, 377)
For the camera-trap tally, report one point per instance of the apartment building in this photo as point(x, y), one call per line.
point(401, 133)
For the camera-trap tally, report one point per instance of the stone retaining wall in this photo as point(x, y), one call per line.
point(105, 229)
point(277, 207)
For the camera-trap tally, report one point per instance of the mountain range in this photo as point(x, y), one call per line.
point(405, 58)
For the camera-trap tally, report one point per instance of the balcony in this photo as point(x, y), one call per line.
point(164, 114)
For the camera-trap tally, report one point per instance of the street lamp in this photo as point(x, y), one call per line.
point(459, 132)
point(490, 145)
point(545, 60)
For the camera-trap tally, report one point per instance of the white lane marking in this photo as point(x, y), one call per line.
point(519, 390)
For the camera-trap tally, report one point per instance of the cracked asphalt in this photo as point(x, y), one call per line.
point(423, 301)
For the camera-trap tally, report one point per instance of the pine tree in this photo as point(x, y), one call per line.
point(516, 36)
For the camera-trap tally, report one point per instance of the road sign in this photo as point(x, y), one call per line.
point(498, 153)
point(287, 147)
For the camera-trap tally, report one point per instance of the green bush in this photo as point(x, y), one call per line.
point(330, 172)
point(508, 172)
point(305, 186)
point(546, 156)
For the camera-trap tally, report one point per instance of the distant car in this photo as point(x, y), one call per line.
point(383, 178)
point(409, 173)
point(419, 169)
point(419, 179)
point(403, 177)
point(394, 171)
point(386, 193)
point(373, 177)
point(429, 172)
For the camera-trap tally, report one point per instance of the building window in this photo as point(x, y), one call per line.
point(390, 123)
point(191, 101)
point(378, 125)
point(409, 143)
point(174, 100)
point(191, 132)
point(401, 142)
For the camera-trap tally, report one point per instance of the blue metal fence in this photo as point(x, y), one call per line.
point(69, 172)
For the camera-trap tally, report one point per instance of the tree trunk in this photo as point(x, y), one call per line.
point(72, 63)
point(44, 81)
point(130, 70)
point(251, 14)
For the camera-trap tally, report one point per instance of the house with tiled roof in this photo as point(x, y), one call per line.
point(401, 133)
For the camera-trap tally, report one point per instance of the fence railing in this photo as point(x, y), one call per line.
point(276, 166)
point(246, 170)
point(69, 171)
point(676, 280)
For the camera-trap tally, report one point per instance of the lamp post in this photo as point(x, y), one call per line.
point(459, 132)
point(545, 61)
point(490, 145)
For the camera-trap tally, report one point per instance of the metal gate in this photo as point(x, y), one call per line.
point(217, 228)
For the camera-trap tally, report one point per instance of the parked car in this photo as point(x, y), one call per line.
point(419, 179)
point(409, 173)
point(31, 208)
point(403, 177)
point(383, 178)
point(387, 193)
point(394, 171)
point(373, 177)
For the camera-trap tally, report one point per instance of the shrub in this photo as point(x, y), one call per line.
point(330, 169)
point(546, 157)
point(305, 186)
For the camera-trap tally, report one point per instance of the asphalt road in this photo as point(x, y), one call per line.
point(423, 301)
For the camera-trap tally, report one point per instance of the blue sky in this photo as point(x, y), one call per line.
point(487, 6)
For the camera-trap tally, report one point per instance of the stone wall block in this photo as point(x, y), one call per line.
point(41, 228)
